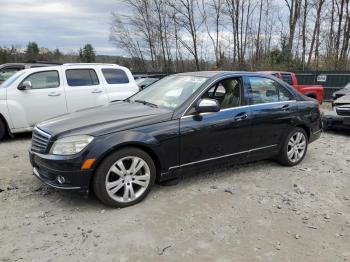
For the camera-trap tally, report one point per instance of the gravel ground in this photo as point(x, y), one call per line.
point(255, 212)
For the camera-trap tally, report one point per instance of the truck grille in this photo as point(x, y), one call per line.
point(343, 110)
point(40, 141)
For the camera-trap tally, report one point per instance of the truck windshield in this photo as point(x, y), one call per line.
point(169, 92)
point(11, 80)
point(347, 87)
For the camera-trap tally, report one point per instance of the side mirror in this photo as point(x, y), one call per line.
point(207, 105)
point(26, 85)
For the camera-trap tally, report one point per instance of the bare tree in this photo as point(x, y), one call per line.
point(168, 35)
point(315, 34)
point(294, 7)
point(188, 19)
point(216, 6)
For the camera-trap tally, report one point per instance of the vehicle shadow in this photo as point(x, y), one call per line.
point(189, 178)
point(342, 132)
point(17, 137)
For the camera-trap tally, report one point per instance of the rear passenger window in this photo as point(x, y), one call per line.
point(265, 90)
point(115, 76)
point(81, 77)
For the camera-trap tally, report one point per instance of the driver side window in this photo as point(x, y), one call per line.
point(42, 80)
point(227, 92)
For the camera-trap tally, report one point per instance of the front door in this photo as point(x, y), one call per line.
point(45, 100)
point(219, 135)
point(84, 89)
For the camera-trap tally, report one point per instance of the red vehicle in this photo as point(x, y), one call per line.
point(313, 91)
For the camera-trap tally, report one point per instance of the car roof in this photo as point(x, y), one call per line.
point(274, 72)
point(27, 65)
point(71, 65)
point(210, 74)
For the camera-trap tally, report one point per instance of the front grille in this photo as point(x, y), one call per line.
point(343, 111)
point(40, 141)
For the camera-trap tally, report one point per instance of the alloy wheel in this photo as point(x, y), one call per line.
point(128, 179)
point(296, 147)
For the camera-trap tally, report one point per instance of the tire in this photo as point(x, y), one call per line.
point(2, 130)
point(296, 140)
point(116, 174)
point(312, 95)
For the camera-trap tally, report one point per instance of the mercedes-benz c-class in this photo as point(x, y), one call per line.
point(184, 120)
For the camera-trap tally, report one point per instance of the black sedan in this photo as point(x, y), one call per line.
point(182, 121)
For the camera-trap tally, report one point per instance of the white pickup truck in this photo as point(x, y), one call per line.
point(37, 94)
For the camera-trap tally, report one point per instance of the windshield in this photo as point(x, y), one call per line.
point(140, 80)
point(12, 79)
point(347, 87)
point(169, 92)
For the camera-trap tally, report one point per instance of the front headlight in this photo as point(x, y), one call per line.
point(70, 145)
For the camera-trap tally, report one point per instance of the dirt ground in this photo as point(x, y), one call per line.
point(255, 212)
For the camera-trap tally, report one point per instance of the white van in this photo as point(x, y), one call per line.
point(37, 94)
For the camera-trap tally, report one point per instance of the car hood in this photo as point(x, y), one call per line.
point(102, 120)
point(342, 100)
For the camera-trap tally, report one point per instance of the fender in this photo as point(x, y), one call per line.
point(20, 120)
point(110, 143)
point(4, 113)
point(308, 118)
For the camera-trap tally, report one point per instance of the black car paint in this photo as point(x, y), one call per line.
point(174, 139)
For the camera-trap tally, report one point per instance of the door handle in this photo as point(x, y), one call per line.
point(285, 108)
point(54, 94)
point(96, 91)
point(241, 116)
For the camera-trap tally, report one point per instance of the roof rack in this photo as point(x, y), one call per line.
point(78, 64)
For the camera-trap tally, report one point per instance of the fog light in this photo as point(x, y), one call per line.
point(61, 180)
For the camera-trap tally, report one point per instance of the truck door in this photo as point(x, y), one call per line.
point(84, 89)
point(44, 100)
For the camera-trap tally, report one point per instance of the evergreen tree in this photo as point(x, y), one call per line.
point(87, 54)
point(32, 52)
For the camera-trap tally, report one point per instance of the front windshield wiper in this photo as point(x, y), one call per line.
point(145, 103)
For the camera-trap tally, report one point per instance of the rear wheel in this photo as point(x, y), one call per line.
point(294, 148)
point(125, 177)
point(2, 130)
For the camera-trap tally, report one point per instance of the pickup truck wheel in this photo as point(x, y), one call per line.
point(124, 178)
point(311, 95)
point(2, 130)
point(294, 148)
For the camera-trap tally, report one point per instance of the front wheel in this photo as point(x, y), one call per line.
point(294, 148)
point(124, 178)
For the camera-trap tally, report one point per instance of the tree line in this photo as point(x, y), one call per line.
point(183, 35)
point(33, 53)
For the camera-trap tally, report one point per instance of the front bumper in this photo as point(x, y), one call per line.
point(333, 121)
point(61, 172)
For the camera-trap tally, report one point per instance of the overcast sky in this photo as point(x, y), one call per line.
point(63, 24)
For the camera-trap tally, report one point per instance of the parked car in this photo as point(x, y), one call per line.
point(344, 91)
point(7, 70)
point(145, 82)
point(181, 121)
point(313, 91)
point(339, 117)
point(33, 95)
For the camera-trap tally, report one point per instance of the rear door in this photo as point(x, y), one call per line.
point(273, 109)
point(119, 83)
point(84, 89)
point(45, 100)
